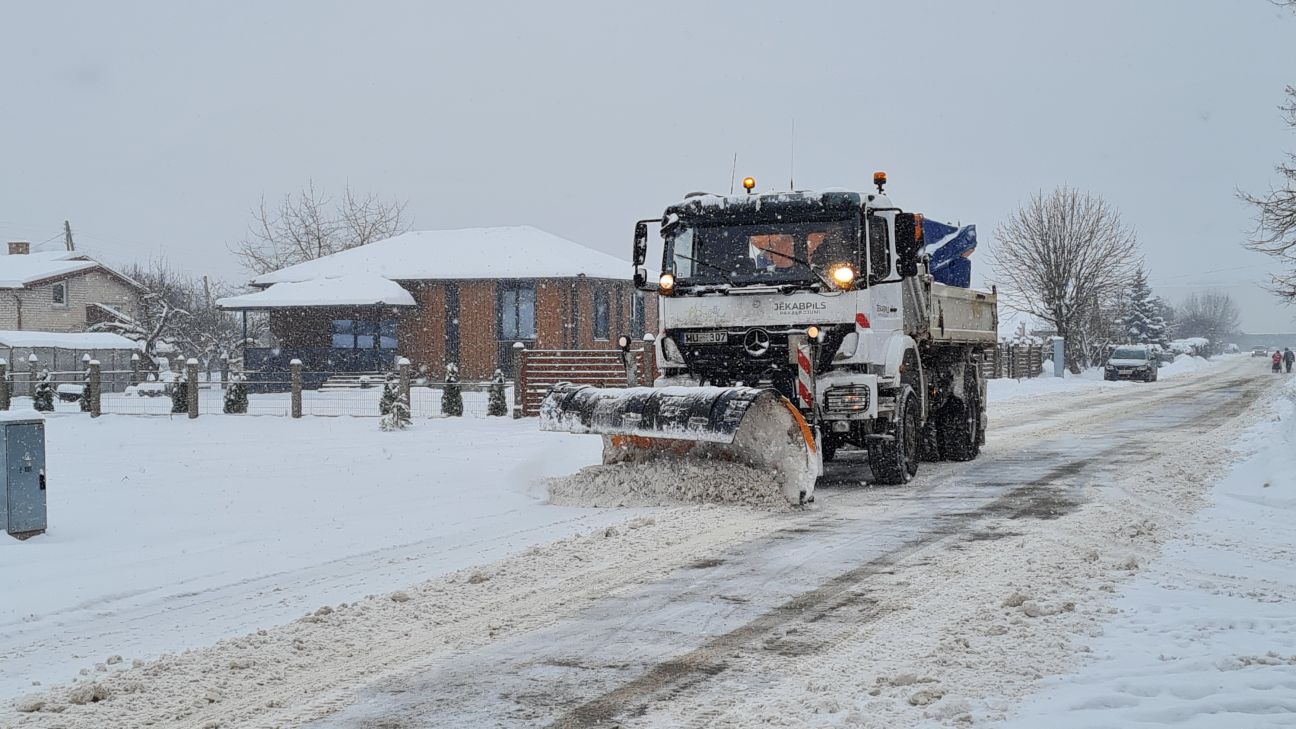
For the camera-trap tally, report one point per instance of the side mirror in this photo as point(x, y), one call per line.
point(641, 279)
point(909, 242)
point(640, 243)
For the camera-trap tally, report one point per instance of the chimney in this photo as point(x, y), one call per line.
point(19, 247)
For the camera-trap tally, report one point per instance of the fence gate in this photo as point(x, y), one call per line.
point(541, 369)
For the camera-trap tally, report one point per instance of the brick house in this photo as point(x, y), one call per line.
point(61, 291)
point(440, 296)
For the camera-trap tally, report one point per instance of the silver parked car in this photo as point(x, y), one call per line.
point(1132, 362)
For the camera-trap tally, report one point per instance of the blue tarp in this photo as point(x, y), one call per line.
point(949, 247)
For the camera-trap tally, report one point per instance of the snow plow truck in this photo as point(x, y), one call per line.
point(794, 325)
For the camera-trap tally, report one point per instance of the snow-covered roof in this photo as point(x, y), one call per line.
point(65, 340)
point(514, 252)
point(18, 270)
point(360, 289)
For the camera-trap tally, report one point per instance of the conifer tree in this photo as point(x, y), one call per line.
point(1142, 323)
point(497, 404)
point(452, 395)
point(389, 394)
point(236, 397)
point(43, 397)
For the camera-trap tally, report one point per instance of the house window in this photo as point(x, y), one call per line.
point(517, 313)
point(387, 334)
point(601, 315)
point(60, 294)
point(343, 334)
point(362, 333)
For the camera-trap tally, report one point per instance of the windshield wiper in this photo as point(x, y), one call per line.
point(809, 266)
point(712, 266)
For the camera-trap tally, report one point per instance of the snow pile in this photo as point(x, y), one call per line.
point(668, 480)
point(1206, 635)
point(767, 463)
point(1184, 364)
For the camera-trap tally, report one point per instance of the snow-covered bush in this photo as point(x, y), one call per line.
point(236, 397)
point(496, 404)
point(43, 398)
point(390, 394)
point(397, 416)
point(452, 396)
point(180, 397)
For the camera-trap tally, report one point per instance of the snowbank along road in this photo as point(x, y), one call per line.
point(944, 601)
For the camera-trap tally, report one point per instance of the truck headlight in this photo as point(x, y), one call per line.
point(842, 275)
point(671, 351)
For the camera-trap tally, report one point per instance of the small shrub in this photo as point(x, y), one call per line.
point(452, 396)
point(496, 404)
point(236, 397)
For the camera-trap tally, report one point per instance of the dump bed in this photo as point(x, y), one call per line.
point(962, 315)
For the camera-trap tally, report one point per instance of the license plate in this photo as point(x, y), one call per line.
point(706, 337)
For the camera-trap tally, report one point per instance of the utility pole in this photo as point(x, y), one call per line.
point(67, 236)
point(207, 290)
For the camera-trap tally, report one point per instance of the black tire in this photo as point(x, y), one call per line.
point(895, 461)
point(959, 430)
point(828, 444)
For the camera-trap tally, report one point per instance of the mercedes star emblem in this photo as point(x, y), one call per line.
point(756, 342)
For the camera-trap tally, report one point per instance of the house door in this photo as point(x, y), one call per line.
point(516, 321)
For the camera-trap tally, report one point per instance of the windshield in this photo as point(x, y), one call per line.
point(1129, 353)
point(764, 253)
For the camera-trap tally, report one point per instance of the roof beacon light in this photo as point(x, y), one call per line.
point(879, 179)
point(748, 184)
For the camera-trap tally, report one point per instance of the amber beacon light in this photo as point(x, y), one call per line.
point(748, 184)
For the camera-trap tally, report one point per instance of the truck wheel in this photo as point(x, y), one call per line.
point(960, 438)
point(895, 461)
point(828, 444)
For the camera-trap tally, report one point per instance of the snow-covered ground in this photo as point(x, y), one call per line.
point(1205, 636)
point(1091, 380)
point(167, 533)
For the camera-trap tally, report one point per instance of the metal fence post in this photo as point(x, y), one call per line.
point(296, 366)
point(4, 384)
point(33, 374)
point(649, 360)
point(519, 385)
point(94, 389)
point(224, 371)
point(403, 372)
point(191, 386)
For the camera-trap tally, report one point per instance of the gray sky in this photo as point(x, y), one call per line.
point(155, 127)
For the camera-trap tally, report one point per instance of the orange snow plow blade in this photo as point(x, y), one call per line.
point(755, 427)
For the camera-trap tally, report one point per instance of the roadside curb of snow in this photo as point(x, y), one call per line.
point(306, 669)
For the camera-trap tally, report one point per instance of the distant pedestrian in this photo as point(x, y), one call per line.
point(1277, 360)
point(1288, 358)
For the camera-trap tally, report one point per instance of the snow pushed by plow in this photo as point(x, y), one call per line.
point(668, 480)
point(672, 445)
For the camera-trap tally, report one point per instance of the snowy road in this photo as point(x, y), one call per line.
point(939, 602)
point(735, 622)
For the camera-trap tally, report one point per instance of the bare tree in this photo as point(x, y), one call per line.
point(1212, 314)
point(309, 225)
point(1275, 220)
point(180, 311)
point(1064, 257)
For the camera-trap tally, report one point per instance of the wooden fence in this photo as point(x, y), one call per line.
point(538, 370)
point(1015, 361)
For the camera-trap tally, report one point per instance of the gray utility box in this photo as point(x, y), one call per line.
point(22, 461)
